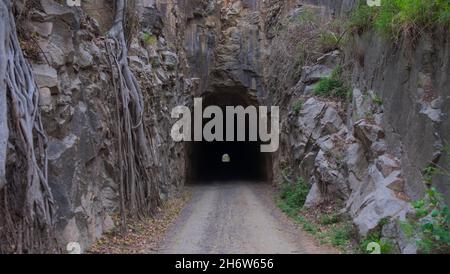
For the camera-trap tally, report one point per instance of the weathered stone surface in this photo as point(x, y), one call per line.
point(314, 197)
point(387, 164)
point(45, 76)
point(368, 133)
point(45, 98)
point(170, 59)
point(315, 73)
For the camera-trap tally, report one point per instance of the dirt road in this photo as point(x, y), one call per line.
point(235, 217)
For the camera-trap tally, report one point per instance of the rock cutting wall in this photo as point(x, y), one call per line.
point(78, 104)
point(368, 155)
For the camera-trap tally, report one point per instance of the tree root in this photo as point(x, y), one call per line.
point(26, 202)
point(139, 195)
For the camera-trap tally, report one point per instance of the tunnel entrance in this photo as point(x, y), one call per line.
point(227, 161)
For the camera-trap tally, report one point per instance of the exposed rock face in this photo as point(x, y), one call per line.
point(370, 157)
point(78, 104)
point(365, 155)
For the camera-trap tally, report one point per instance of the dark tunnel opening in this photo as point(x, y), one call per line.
point(207, 161)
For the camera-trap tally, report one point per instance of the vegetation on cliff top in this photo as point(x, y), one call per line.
point(397, 18)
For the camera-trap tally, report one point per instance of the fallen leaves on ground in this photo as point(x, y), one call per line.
point(142, 236)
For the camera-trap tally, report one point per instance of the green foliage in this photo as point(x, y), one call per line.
point(327, 41)
point(307, 16)
point(297, 106)
point(430, 227)
point(398, 17)
point(148, 38)
point(329, 219)
point(377, 100)
point(386, 245)
point(332, 86)
point(293, 197)
point(307, 225)
point(341, 235)
point(361, 19)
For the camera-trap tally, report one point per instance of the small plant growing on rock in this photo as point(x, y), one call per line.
point(148, 38)
point(333, 86)
point(297, 106)
point(377, 100)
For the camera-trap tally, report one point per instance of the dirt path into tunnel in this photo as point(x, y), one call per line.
point(235, 217)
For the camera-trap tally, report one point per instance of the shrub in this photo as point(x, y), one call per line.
point(401, 17)
point(327, 41)
point(430, 226)
point(386, 245)
point(328, 219)
point(293, 197)
point(297, 106)
point(332, 86)
point(341, 235)
point(148, 38)
point(360, 19)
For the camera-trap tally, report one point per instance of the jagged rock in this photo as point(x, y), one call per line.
point(329, 176)
point(387, 164)
point(367, 132)
point(379, 147)
point(170, 59)
point(434, 114)
point(330, 59)
point(331, 121)
point(45, 76)
point(309, 90)
point(136, 62)
point(372, 201)
point(311, 112)
point(45, 99)
point(44, 29)
point(84, 58)
point(356, 161)
point(314, 197)
point(54, 11)
point(312, 74)
point(152, 20)
point(360, 106)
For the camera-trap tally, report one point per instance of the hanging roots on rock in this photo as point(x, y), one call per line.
point(139, 194)
point(26, 203)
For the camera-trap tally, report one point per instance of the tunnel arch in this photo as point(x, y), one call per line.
point(204, 160)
